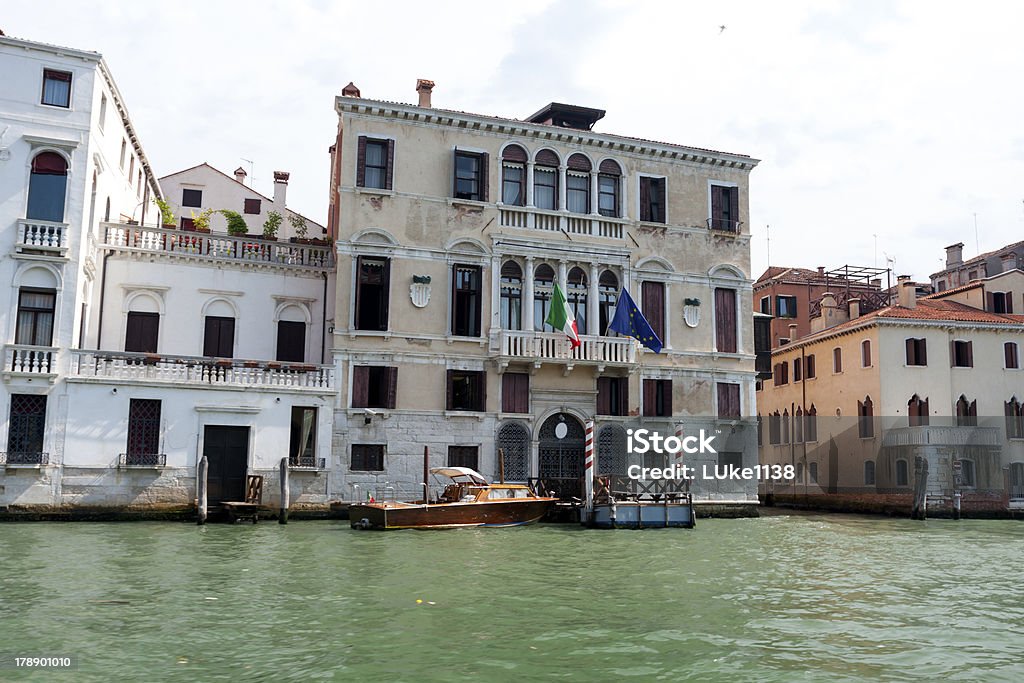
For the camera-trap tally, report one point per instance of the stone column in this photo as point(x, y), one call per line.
point(563, 271)
point(594, 206)
point(561, 187)
point(495, 292)
point(593, 316)
point(528, 295)
point(529, 184)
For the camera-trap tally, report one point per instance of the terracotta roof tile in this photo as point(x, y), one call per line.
point(962, 288)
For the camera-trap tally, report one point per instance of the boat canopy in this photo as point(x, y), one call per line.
point(457, 472)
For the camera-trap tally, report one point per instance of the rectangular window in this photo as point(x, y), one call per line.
point(35, 317)
point(728, 399)
point(545, 188)
point(26, 430)
point(219, 337)
point(612, 395)
point(725, 208)
point(467, 390)
point(775, 429)
point(374, 386)
point(785, 307)
point(781, 374)
point(373, 283)
point(464, 456)
point(142, 332)
point(291, 341)
point(512, 181)
point(143, 432)
point(837, 360)
point(809, 363)
point(658, 397)
point(471, 176)
point(608, 195)
point(577, 192)
point(766, 305)
point(367, 457)
point(466, 300)
point(652, 199)
point(251, 206)
point(1010, 356)
point(730, 461)
point(725, 320)
point(865, 419)
point(131, 168)
point(302, 441)
point(1000, 302)
point(653, 301)
point(515, 392)
point(124, 150)
point(917, 352)
point(192, 198)
point(103, 110)
point(962, 354)
point(375, 164)
point(56, 88)
point(188, 225)
point(797, 370)
point(865, 353)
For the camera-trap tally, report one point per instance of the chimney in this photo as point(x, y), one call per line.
point(821, 271)
point(954, 254)
point(908, 291)
point(350, 90)
point(854, 308)
point(792, 331)
point(424, 88)
point(1009, 262)
point(240, 175)
point(280, 189)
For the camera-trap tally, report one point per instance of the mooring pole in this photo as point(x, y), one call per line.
point(426, 474)
point(201, 470)
point(956, 504)
point(501, 465)
point(918, 511)
point(588, 472)
point(282, 517)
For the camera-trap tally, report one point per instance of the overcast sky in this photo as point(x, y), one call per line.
point(901, 120)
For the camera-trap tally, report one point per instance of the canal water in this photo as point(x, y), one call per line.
point(787, 598)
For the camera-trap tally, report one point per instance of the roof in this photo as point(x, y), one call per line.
point(453, 472)
point(1015, 246)
point(794, 275)
point(973, 284)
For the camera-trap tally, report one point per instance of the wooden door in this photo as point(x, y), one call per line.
point(227, 451)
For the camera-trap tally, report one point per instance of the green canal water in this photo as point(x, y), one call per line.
point(788, 598)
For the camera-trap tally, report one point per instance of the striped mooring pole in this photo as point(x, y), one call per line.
point(588, 470)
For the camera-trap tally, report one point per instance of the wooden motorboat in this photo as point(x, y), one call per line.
point(467, 500)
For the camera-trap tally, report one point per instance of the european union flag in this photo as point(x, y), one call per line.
point(630, 322)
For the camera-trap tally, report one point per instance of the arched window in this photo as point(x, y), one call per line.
point(513, 175)
point(511, 296)
point(967, 473)
point(966, 412)
point(577, 297)
point(577, 184)
point(543, 281)
point(609, 180)
point(865, 353)
point(785, 426)
point(612, 456)
point(607, 295)
point(812, 472)
point(811, 424)
point(774, 428)
point(513, 445)
point(47, 187)
point(869, 472)
point(902, 473)
point(1014, 419)
point(865, 418)
point(545, 180)
point(798, 425)
point(917, 411)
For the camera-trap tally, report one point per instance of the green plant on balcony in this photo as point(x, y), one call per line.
point(272, 225)
point(236, 224)
point(299, 226)
point(166, 215)
point(201, 221)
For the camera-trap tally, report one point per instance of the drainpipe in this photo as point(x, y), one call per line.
point(103, 288)
point(323, 323)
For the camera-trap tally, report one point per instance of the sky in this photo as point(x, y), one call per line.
point(885, 130)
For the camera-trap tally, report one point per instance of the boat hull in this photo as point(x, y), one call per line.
point(448, 515)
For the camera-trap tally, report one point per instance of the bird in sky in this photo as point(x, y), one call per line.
point(721, 29)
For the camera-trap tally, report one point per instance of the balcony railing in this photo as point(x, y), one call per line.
point(551, 346)
point(928, 435)
point(307, 462)
point(217, 247)
point(200, 371)
point(21, 359)
point(34, 235)
point(142, 460)
point(558, 221)
point(24, 458)
point(724, 225)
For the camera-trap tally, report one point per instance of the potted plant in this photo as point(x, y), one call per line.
point(272, 225)
point(236, 224)
point(166, 215)
point(201, 221)
point(299, 227)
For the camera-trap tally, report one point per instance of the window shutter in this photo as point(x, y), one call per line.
point(1009, 302)
point(523, 394)
point(716, 206)
point(1007, 355)
point(481, 378)
point(653, 299)
point(952, 354)
point(650, 397)
point(866, 348)
point(970, 354)
point(734, 208)
point(392, 387)
point(725, 320)
point(667, 395)
point(361, 162)
point(360, 386)
point(911, 348)
point(389, 178)
point(604, 395)
point(508, 393)
point(623, 383)
point(448, 390)
point(386, 295)
point(990, 301)
point(485, 178)
point(645, 199)
point(922, 352)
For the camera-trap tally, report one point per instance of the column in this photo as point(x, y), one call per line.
point(561, 187)
point(593, 317)
point(529, 184)
point(528, 295)
point(593, 193)
point(496, 292)
point(563, 275)
point(667, 341)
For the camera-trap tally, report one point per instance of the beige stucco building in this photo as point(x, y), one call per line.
point(452, 229)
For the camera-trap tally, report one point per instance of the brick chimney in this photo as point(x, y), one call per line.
point(424, 88)
point(954, 254)
point(350, 90)
point(280, 189)
point(240, 175)
point(908, 291)
point(821, 271)
point(854, 308)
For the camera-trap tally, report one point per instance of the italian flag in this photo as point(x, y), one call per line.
point(561, 317)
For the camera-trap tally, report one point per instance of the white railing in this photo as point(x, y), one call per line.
point(555, 346)
point(556, 221)
point(33, 234)
point(941, 436)
point(217, 246)
point(29, 360)
point(197, 370)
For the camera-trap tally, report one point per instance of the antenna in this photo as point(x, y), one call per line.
point(875, 264)
point(977, 244)
point(768, 240)
point(252, 171)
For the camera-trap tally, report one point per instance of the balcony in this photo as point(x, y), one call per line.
point(307, 462)
point(23, 459)
point(198, 371)
point(21, 360)
point(553, 347)
point(142, 460)
point(217, 248)
point(941, 436)
point(41, 237)
point(562, 221)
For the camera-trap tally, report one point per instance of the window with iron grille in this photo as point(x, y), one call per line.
point(464, 456)
point(514, 444)
point(27, 427)
point(143, 431)
point(367, 457)
point(302, 444)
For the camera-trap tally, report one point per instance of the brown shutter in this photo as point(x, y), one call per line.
point(386, 295)
point(667, 398)
point(970, 354)
point(603, 395)
point(482, 382)
point(523, 394)
point(725, 320)
point(650, 388)
point(653, 301)
point(734, 208)
point(392, 387)
point(360, 386)
point(508, 393)
point(359, 288)
point(389, 178)
point(716, 207)
point(578, 162)
point(645, 199)
point(922, 352)
point(514, 153)
point(449, 376)
point(623, 395)
point(990, 301)
point(1007, 355)
point(911, 345)
point(361, 161)
point(1009, 302)
point(866, 353)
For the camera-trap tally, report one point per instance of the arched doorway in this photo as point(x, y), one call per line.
point(561, 455)
point(1017, 481)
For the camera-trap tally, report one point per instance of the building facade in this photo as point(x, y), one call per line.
point(453, 229)
point(959, 272)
